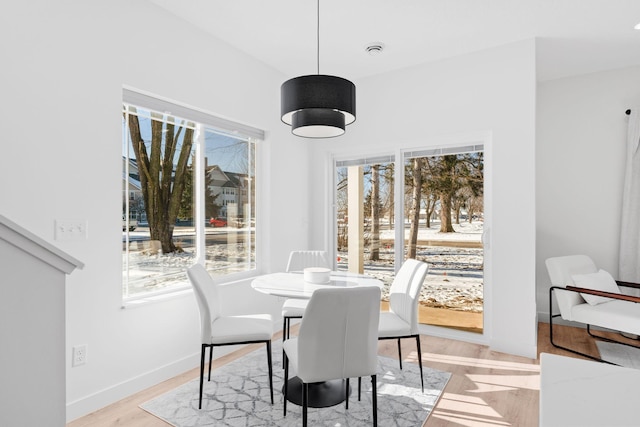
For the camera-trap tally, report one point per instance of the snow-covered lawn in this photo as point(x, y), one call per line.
point(454, 279)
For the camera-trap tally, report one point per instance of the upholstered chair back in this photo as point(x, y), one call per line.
point(338, 337)
point(299, 260)
point(206, 293)
point(405, 292)
point(560, 271)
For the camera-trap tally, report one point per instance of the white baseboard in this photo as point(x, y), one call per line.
point(91, 403)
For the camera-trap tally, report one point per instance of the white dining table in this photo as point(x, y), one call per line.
point(293, 285)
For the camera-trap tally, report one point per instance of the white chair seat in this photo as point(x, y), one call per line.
point(616, 315)
point(231, 329)
point(293, 307)
point(392, 326)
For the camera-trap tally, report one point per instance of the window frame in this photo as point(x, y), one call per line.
point(205, 122)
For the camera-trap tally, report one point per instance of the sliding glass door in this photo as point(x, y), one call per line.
point(432, 209)
point(444, 224)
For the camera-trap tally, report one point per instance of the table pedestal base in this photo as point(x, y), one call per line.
point(321, 395)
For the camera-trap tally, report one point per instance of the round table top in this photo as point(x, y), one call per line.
point(293, 285)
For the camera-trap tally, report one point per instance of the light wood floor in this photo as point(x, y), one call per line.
point(487, 388)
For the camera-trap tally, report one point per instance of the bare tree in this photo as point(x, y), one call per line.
point(374, 254)
point(447, 175)
point(163, 173)
point(388, 172)
point(414, 214)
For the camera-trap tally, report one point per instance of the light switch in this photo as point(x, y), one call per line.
point(70, 229)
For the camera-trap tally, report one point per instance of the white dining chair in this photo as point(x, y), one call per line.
point(401, 321)
point(338, 339)
point(293, 308)
point(217, 330)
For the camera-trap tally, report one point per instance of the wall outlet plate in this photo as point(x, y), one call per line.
point(79, 356)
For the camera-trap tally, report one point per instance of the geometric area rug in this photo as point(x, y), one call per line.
point(620, 354)
point(238, 395)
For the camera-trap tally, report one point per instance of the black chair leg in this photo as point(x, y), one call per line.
point(374, 399)
point(270, 369)
point(210, 361)
point(346, 400)
point(305, 403)
point(420, 360)
point(399, 354)
point(284, 336)
point(203, 349)
point(359, 387)
point(286, 383)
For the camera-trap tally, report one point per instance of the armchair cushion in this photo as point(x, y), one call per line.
point(616, 315)
point(599, 281)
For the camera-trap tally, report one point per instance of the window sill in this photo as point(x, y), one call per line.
point(180, 292)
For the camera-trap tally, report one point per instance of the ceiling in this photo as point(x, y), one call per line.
point(574, 36)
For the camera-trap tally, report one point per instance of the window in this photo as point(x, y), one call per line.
point(365, 219)
point(177, 170)
point(428, 205)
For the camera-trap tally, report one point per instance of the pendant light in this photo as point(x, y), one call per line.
point(317, 105)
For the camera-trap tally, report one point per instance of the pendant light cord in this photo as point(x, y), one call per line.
point(318, 37)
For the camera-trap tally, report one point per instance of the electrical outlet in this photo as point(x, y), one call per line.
point(70, 229)
point(79, 355)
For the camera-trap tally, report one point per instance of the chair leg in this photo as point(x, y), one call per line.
point(305, 403)
point(420, 360)
point(284, 336)
point(346, 400)
point(202, 351)
point(286, 383)
point(270, 369)
point(399, 354)
point(359, 387)
point(374, 399)
point(210, 362)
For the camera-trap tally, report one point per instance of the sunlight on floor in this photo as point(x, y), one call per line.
point(478, 363)
point(467, 411)
point(485, 381)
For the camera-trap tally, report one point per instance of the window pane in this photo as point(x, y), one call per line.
point(161, 192)
point(229, 203)
point(158, 208)
point(365, 219)
point(444, 210)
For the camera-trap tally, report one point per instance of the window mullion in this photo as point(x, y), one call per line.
point(199, 193)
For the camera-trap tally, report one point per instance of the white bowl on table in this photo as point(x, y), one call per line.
point(317, 275)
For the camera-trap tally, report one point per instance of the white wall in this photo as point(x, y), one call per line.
point(580, 157)
point(492, 92)
point(61, 158)
point(64, 67)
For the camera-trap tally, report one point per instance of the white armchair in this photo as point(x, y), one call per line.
point(590, 296)
point(338, 339)
point(217, 330)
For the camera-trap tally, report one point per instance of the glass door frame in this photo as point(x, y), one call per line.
point(400, 155)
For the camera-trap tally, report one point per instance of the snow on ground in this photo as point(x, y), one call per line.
point(455, 276)
point(454, 279)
